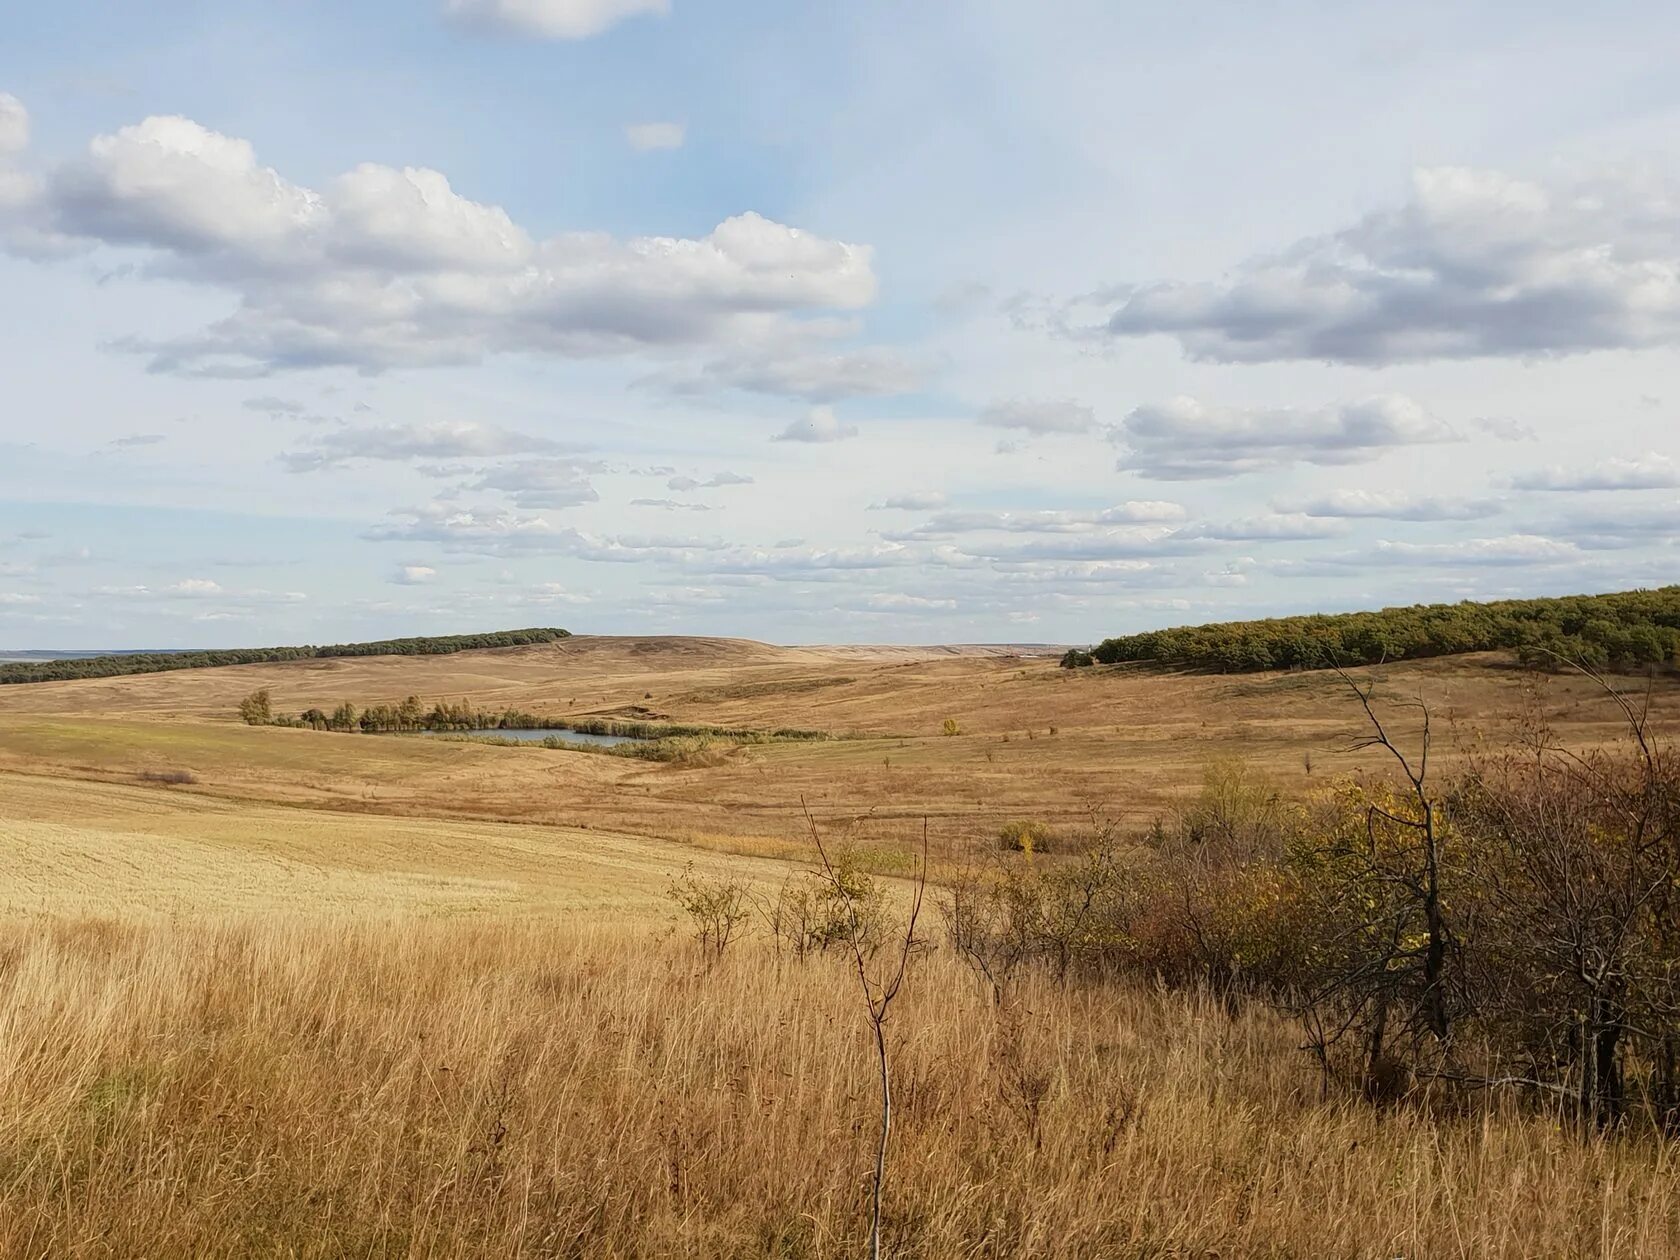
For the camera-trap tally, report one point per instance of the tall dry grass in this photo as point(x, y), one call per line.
point(404, 1088)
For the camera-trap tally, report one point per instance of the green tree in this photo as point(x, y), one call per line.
point(257, 709)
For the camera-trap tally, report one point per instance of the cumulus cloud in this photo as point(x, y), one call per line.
point(186, 588)
point(443, 440)
point(1395, 505)
point(501, 532)
point(552, 19)
point(1648, 472)
point(1184, 439)
point(897, 601)
point(653, 136)
point(1510, 549)
point(1475, 264)
point(14, 125)
point(672, 505)
point(716, 480)
point(1605, 530)
point(819, 425)
point(413, 575)
point(1135, 512)
point(800, 359)
point(1278, 526)
point(543, 483)
point(270, 405)
point(1052, 416)
point(385, 267)
point(919, 502)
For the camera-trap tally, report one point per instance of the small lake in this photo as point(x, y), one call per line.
point(528, 736)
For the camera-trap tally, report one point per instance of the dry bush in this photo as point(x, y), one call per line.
point(1025, 836)
point(814, 911)
point(715, 907)
point(167, 776)
point(319, 1088)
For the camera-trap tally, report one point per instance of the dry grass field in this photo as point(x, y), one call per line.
point(1037, 741)
point(384, 996)
point(287, 1087)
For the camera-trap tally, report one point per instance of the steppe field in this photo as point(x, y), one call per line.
point(281, 992)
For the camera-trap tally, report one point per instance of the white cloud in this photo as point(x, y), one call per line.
point(552, 19)
point(894, 601)
point(1619, 527)
point(1277, 526)
point(715, 481)
point(1183, 439)
point(443, 440)
point(653, 136)
point(1475, 264)
point(14, 125)
point(543, 483)
point(413, 575)
point(819, 425)
point(1134, 512)
point(916, 502)
point(499, 532)
point(544, 593)
point(194, 587)
point(387, 267)
point(1648, 472)
point(1395, 505)
point(1044, 416)
point(13, 599)
point(270, 405)
point(799, 359)
point(1511, 549)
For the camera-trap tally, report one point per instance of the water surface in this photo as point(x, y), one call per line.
point(530, 736)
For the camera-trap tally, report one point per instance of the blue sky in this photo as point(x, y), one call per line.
point(977, 321)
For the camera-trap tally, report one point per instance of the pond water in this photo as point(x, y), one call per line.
point(526, 736)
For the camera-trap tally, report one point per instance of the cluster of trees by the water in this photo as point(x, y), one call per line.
point(257, 709)
point(1627, 630)
point(413, 714)
point(157, 662)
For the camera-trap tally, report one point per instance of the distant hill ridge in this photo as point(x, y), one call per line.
point(1623, 630)
point(116, 664)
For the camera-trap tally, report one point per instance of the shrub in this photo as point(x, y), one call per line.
point(951, 727)
point(810, 911)
point(167, 776)
point(1023, 836)
point(257, 709)
point(716, 908)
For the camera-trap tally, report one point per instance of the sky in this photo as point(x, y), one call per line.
point(972, 321)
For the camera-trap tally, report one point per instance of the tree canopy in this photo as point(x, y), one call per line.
point(157, 662)
point(1625, 630)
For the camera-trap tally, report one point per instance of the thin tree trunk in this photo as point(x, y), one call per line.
point(881, 1148)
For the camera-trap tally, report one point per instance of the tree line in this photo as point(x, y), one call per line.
point(413, 714)
point(1621, 631)
point(158, 662)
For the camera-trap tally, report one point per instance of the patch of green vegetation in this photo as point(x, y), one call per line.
point(158, 662)
point(1624, 630)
